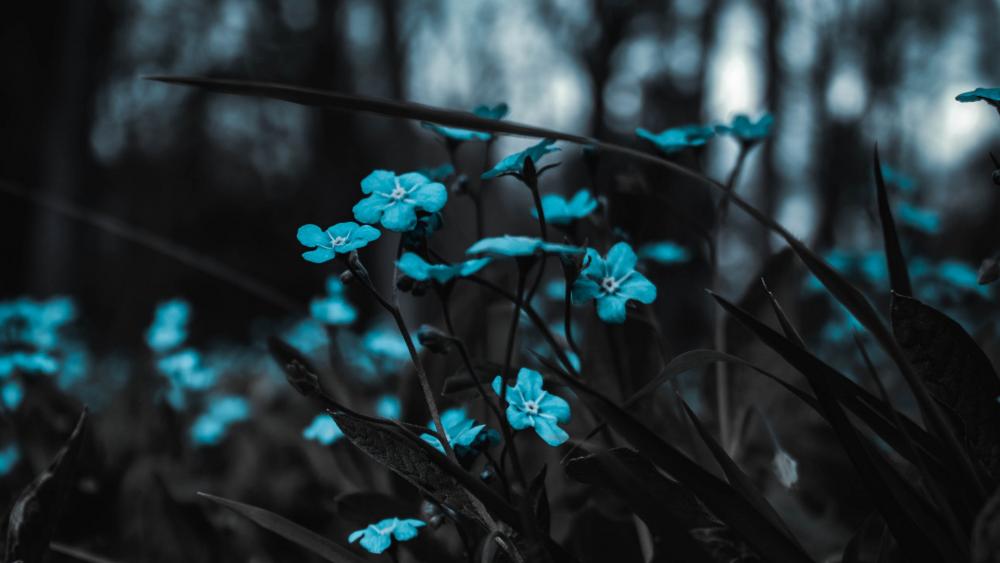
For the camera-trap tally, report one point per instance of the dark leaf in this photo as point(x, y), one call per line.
point(725, 502)
point(899, 278)
point(670, 511)
point(321, 546)
point(35, 513)
point(989, 270)
point(912, 522)
point(986, 533)
point(956, 371)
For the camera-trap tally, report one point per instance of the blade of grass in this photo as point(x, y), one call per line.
point(899, 277)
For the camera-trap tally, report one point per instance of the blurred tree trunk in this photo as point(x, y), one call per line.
point(775, 80)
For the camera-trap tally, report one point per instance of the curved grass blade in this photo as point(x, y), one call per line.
point(837, 285)
point(786, 325)
point(914, 525)
point(668, 509)
point(724, 501)
point(35, 513)
point(305, 538)
point(899, 277)
point(737, 478)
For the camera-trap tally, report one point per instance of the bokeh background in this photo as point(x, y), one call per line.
point(229, 180)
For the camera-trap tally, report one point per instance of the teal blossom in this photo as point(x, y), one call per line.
point(664, 252)
point(169, 328)
point(560, 211)
point(458, 135)
point(394, 200)
point(438, 173)
point(210, 428)
point(333, 308)
point(323, 429)
point(514, 164)
point(377, 537)
point(10, 455)
point(924, 220)
point(388, 406)
point(745, 130)
point(419, 269)
point(676, 139)
point(612, 281)
point(338, 239)
point(186, 372)
point(529, 405)
point(11, 395)
point(517, 246)
point(465, 436)
point(988, 95)
point(893, 177)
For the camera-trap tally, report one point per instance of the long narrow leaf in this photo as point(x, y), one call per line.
point(899, 278)
point(305, 538)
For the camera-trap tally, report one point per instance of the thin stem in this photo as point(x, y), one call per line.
point(467, 360)
point(533, 186)
point(568, 318)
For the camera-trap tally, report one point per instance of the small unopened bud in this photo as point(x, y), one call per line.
point(434, 339)
point(357, 268)
point(346, 277)
point(529, 173)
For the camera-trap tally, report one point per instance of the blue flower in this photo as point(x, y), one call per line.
point(210, 428)
point(559, 211)
point(394, 200)
point(515, 246)
point(185, 371)
point(169, 328)
point(988, 95)
point(961, 275)
point(894, 177)
point(438, 173)
point(376, 538)
point(612, 281)
point(379, 352)
point(465, 436)
point(323, 429)
point(678, 138)
point(664, 252)
point(333, 308)
point(27, 362)
point(745, 130)
point(11, 395)
point(388, 406)
point(338, 239)
point(531, 406)
point(459, 135)
point(30, 333)
point(419, 269)
point(9, 456)
point(925, 220)
point(514, 164)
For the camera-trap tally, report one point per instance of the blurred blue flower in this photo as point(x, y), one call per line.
point(962, 276)
point(11, 395)
point(456, 134)
point(394, 200)
point(419, 269)
point(893, 177)
point(743, 129)
point(514, 163)
point(27, 362)
point(677, 139)
point(924, 220)
point(531, 406)
point(307, 335)
point(555, 290)
point(559, 211)
point(515, 246)
point(30, 334)
point(210, 428)
point(438, 173)
point(465, 436)
point(185, 371)
point(323, 429)
point(612, 281)
point(169, 327)
point(376, 538)
point(10, 455)
point(338, 239)
point(333, 308)
point(388, 406)
point(664, 252)
point(988, 95)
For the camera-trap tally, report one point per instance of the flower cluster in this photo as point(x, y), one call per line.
point(210, 427)
point(742, 128)
point(377, 537)
point(463, 434)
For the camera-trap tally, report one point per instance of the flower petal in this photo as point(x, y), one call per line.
point(529, 383)
point(430, 197)
point(319, 255)
point(399, 217)
point(611, 309)
point(369, 210)
point(433, 440)
point(379, 181)
point(519, 420)
point(639, 288)
point(550, 432)
point(413, 266)
point(596, 267)
point(355, 535)
point(375, 542)
point(584, 289)
point(405, 530)
point(621, 260)
point(555, 406)
point(311, 235)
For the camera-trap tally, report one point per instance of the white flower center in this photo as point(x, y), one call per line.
point(337, 241)
point(609, 285)
point(398, 193)
point(531, 407)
